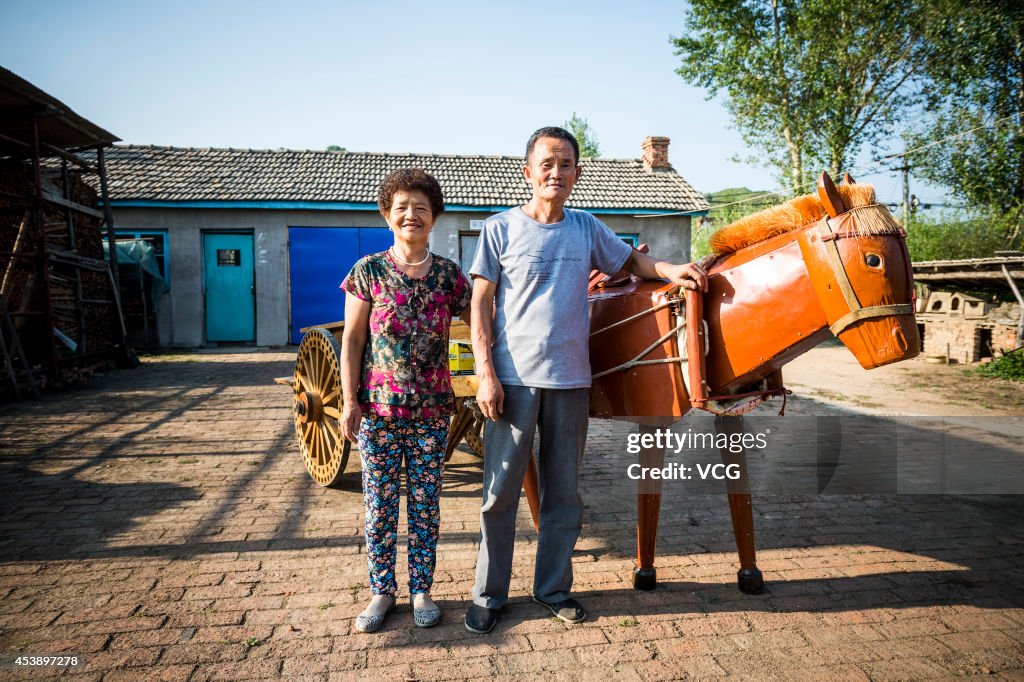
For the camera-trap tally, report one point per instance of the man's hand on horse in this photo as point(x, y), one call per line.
point(686, 275)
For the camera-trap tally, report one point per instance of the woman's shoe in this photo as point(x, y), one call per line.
point(373, 623)
point(426, 617)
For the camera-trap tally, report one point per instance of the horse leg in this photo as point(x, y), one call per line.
point(749, 577)
point(645, 577)
point(532, 491)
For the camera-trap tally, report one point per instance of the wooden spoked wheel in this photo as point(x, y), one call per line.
point(318, 404)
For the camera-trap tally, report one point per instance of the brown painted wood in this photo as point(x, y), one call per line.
point(829, 196)
point(461, 423)
point(696, 343)
point(532, 490)
point(648, 501)
point(741, 510)
point(648, 511)
point(740, 507)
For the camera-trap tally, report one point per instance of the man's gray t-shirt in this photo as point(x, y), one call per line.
point(541, 322)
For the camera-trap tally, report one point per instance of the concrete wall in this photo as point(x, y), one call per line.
point(182, 316)
point(668, 237)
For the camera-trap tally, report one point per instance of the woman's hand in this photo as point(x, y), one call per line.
point(351, 414)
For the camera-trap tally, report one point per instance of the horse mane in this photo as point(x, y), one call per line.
point(796, 213)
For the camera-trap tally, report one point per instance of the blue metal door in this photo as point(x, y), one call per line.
point(229, 287)
point(319, 258)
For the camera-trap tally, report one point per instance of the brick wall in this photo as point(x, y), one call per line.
point(1004, 337)
point(655, 153)
point(966, 338)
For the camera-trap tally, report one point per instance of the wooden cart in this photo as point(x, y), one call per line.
point(318, 404)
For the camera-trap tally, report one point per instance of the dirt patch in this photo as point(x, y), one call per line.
point(831, 374)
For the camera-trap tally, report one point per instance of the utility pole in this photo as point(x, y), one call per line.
point(905, 168)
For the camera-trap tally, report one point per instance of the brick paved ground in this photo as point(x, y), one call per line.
point(160, 523)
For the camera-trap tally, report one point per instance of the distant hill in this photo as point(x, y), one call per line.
point(729, 205)
point(760, 198)
point(732, 204)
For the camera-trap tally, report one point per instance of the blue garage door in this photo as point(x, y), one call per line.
point(320, 257)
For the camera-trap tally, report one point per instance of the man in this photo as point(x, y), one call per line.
point(530, 341)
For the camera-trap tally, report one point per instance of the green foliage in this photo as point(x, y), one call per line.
point(947, 238)
point(699, 236)
point(975, 69)
point(727, 206)
point(808, 82)
point(585, 136)
point(335, 148)
point(1010, 365)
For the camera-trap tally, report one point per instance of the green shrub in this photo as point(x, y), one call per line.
point(1010, 365)
point(950, 237)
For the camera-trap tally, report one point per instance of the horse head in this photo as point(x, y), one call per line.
point(835, 261)
point(859, 266)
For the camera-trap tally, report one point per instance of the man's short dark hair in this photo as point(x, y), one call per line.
point(558, 134)
point(410, 180)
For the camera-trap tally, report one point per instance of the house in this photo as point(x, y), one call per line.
point(254, 243)
point(970, 309)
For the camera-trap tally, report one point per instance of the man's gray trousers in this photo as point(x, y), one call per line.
point(561, 417)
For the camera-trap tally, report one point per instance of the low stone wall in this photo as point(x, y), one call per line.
point(967, 340)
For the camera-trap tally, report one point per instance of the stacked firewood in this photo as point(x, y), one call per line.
point(21, 282)
point(66, 305)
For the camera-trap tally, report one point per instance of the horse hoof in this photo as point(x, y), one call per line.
point(750, 581)
point(645, 578)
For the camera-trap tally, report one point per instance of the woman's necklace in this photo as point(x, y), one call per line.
point(394, 254)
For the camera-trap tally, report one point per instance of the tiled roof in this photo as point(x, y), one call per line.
point(177, 174)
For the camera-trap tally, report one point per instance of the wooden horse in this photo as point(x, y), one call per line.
point(781, 282)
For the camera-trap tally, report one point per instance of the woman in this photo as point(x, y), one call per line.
point(397, 388)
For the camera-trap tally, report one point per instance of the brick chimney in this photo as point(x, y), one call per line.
point(656, 154)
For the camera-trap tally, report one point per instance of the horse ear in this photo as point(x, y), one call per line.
point(847, 180)
point(829, 196)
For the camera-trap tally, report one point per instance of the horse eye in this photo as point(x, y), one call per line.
point(873, 260)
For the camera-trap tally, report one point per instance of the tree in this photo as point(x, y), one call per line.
point(580, 128)
point(972, 126)
point(807, 82)
point(335, 148)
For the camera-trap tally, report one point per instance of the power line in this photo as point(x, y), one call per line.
point(870, 168)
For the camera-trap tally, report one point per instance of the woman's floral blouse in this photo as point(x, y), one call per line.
point(405, 364)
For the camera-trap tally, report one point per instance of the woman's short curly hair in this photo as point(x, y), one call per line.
point(410, 180)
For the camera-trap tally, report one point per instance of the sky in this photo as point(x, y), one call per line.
point(446, 77)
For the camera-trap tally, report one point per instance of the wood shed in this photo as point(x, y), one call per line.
point(971, 309)
point(60, 313)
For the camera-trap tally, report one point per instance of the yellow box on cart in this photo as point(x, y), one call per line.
point(460, 358)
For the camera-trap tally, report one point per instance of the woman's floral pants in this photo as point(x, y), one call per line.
point(383, 443)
